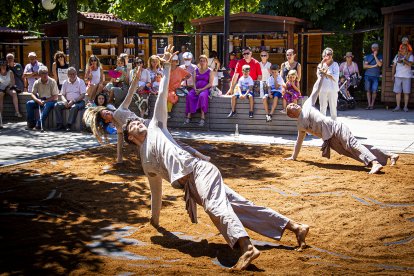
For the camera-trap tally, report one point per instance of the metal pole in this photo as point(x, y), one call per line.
point(226, 32)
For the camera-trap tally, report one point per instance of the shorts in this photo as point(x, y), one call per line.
point(274, 93)
point(248, 95)
point(402, 85)
point(371, 84)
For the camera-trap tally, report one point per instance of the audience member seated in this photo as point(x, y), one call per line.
point(243, 90)
point(44, 94)
point(154, 67)
point(156, 83)
point(7, 86)
point(118, 86)
point(292, 91)
point(144, 82)
point(265, 65)
point(197, 98)
point(232, 63)
point(101, 100)
point(73, 94)
point(31, 71)
point(177, 75)
point(17, 70)
point(60, 69)
point(214, 65)
point(190, 68)
point(94, 78)
point(275, 91)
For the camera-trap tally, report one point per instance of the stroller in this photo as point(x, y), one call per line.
point(345, 102)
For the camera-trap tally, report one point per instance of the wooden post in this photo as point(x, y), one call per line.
point(73, 33)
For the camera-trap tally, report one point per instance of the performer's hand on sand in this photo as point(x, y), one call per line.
point(203, 157)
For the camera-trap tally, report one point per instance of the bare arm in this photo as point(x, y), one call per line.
point(12, 80)
point(233, 83)
point(393, 71)
point(299, 71)
point(119, 144)
point(155, 183)
point(55, 76)
point(298, 145)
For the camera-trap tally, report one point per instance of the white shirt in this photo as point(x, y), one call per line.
point(403, 70)
point(244, 83)
point(29, 69)
point(190, 69)
point(265, 70)
point(329, 84)
point(145, 76)
point(272, 84)
point(72, 91)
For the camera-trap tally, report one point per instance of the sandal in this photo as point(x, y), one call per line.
point(18, 114)
point(187, 121)
point(201, 123)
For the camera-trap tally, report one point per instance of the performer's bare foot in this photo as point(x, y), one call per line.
point(301, 233)
point(249, 253)
point(376, 167)
point(394, 159)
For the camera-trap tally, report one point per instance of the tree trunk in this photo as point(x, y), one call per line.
point(73, 36)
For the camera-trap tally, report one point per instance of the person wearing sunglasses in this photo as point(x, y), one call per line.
point(328, 71)
point(60, 68)
point(265, 66)
point(145, 77)
point(94, 78)
point(290, 64)
point(255, 69)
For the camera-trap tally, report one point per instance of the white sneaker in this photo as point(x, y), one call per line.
point(397, 109)
point(405, 109)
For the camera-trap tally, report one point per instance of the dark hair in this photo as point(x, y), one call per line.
point(125, 130)
point(213, 54)
point(59, 54)
point(274, 67)
point(105, 101)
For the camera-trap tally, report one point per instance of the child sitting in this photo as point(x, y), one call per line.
point(243, 90)
point(275, 90)
point(156, 83)
point(292, 91)
point(118, 87)
point(343, 86)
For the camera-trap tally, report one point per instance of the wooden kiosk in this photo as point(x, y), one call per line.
point(11, 41)
point(398, 22)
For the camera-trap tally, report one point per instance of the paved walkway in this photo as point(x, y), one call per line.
point(380, 127)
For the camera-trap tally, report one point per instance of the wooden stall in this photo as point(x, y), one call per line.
point(398, 22)
point(275, 34)
point(11, 41)
point(101, 34)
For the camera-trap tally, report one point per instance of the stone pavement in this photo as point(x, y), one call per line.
point(392, 131)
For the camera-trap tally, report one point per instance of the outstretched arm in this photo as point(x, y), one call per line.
point(298, 145)
point(155, 183)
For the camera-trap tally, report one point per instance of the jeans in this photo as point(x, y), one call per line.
point(32, 107)
point(371, 84)
point(72, 113)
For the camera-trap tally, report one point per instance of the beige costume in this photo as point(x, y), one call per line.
point(163, 158)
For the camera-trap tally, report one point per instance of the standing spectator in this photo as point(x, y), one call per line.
point(60, 69)
point(290, 64)
point(7, 84)
point(265, 66)
point(44, 94)
point(177, 75)
point(190, 68)
point(154, 67)
point(244, 89)
point(197, 98)
point(401, 75)
point(404, 41)
point(180, 55)
point(17, 70)
point(349, 69)
point(275, 86)
point(329, 88)
point(73, 93)
point(255, 69)
point(214, 65)
point(233, 63)
point(94, 77)
point(31, 71)
point(372, 66)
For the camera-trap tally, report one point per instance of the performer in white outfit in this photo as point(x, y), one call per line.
point(163, 158)
point(329, 87)
point(335, 135)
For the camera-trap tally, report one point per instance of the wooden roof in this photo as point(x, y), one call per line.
point(250, 16)
point(399, 8)
point(7, 34)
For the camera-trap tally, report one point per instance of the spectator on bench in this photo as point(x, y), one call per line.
point(17, 71)
point(44, 94)
point(73, 93)
point(7, 85)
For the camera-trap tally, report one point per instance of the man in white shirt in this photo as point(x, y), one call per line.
point(73, 92)
point(162, 158)
point(31, 71)
point(401, 75)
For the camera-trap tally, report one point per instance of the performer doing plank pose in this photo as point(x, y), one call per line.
point(335, 134)
point(163, 158)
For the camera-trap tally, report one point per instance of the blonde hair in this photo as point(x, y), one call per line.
point(293, 72)
point(98, 63)
point(200, 57)
point(156, 58)
point(92, 118)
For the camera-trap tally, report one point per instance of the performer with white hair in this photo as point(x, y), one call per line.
point(335, 135)
point(329, 87)
point(163, 158)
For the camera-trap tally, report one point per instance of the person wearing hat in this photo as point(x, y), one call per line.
point(372, 67)
point(178, 75)
point(232, 63)
point(17, 70)
point(190, 68)
point(31, 70)
point(349, 69)
point(243, 90)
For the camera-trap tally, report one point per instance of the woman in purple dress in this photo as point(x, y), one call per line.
point(197, 98)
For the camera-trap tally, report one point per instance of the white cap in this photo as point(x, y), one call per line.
point(187, 55)
point(175, 57)
point(404, 39)
point(374, 45)
point(246, 67)
point(32, 54)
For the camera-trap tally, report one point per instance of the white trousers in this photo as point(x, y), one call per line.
point(328, 95)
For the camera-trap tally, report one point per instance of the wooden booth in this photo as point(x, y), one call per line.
point(101, 34)
point(274, 34)
point(398, 22)
point(11, 41)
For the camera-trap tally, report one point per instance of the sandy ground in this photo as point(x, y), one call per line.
point(80, 214)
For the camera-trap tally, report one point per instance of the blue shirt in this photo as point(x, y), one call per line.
point(375, 71)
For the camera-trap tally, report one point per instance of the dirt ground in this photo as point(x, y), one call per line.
point(80, 214)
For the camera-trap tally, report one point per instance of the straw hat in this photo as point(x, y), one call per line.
point(348, 54)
